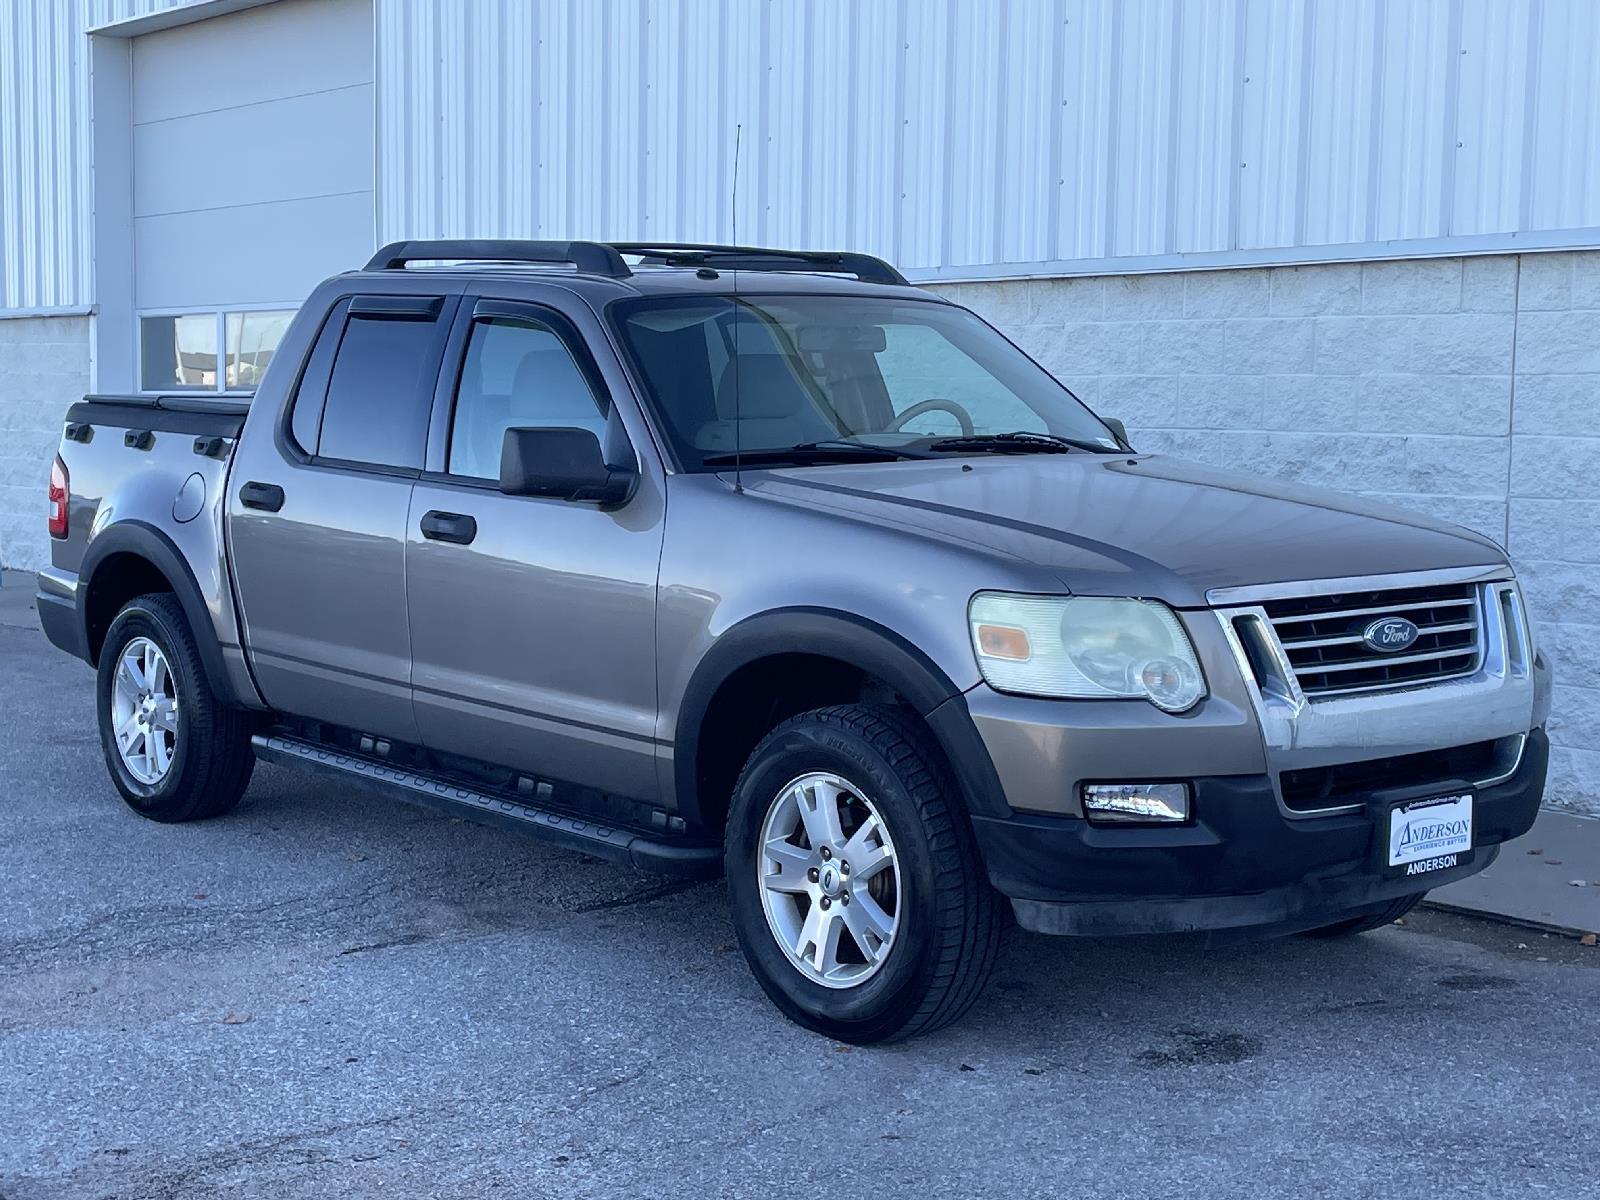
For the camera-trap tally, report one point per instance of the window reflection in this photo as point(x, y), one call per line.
point(178, 352)
point(253, 338)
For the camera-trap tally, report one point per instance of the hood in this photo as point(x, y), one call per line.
point(1143, 525)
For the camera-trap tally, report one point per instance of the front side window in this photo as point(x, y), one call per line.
point(825, 374)
point(517, 374)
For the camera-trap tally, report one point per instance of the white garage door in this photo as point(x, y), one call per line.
point(252, 181)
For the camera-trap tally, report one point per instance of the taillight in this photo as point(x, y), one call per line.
point(60, 498)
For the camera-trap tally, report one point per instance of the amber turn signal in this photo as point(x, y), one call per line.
point(1004, 641)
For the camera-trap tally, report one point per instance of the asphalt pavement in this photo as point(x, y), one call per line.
point(325, 994)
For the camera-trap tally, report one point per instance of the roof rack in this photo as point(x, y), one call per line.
point(605, 258)
point(864, 267)
point(591, 258)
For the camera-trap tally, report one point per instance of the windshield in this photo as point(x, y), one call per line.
point(830, 378)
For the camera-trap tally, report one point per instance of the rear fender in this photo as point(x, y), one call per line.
point(143, 541)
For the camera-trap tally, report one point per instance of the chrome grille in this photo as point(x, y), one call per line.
point(1322, 637)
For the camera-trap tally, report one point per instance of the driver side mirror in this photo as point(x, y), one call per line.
point(1118, 428)
point(563, 464)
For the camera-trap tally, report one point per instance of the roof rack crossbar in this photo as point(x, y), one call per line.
point(865, 267)
point(590, 258)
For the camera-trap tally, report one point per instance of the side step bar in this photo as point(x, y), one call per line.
point(645, 850)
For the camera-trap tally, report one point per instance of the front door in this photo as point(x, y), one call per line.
point(532, 619)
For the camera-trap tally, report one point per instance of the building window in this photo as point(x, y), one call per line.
point(179, 352)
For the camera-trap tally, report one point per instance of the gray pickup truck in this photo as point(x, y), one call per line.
point(715, 559)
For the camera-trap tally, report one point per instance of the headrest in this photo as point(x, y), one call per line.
point(767, 388)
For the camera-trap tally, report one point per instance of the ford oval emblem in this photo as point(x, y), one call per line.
point(1389, 634)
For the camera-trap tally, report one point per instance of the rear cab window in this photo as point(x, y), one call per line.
point(369, 382)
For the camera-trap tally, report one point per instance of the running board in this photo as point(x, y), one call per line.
point(619, 843)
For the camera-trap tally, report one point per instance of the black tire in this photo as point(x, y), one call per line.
point(211, 760)
point(1387, 915)
point(944, 947)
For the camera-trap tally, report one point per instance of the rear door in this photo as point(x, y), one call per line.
point(533, 619)
point(318, 515)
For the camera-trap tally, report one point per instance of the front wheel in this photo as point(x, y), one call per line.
point(175, 751)
point(858, 895)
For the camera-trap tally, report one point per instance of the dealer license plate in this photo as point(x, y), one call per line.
point(1430, 835)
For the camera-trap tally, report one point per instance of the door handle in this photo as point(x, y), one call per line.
point(268, 497)
point(449, 527)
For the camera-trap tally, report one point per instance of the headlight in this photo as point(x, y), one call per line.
point(1085, 647)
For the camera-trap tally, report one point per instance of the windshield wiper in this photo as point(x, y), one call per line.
point(1020, 442)
point(811, 453)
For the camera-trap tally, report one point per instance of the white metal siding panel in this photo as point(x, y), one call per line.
point(1204, 159)
point(1562, 172)
point(955, 135)
point(1335, 106)
point(1495, 45)
point(44, 192)
point(1143, 98)
point(1409, 146)
point(255, 153)
point(292, 48)
point(1013, 135)
point(252, 154)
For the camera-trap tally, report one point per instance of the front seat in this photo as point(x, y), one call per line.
point(774, 408)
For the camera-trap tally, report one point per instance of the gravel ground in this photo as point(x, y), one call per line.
point(328, 995)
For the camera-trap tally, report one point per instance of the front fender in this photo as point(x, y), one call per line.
point(860, 642)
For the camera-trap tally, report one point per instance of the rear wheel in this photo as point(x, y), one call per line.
point(858, 895)
point(175, 751)
point(1387, 915)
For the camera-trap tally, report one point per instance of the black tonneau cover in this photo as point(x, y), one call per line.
point(222, 416)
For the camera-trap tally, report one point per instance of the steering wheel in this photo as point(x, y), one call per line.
point(936, 404)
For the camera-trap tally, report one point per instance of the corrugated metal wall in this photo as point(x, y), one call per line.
point(45, 200)
point(44, 182)
point(951, 135)
point(954, 135)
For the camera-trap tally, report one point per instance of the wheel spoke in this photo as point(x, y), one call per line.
point(134, 670)
point(810, 934)
point(825, 951)
point(125, 730)
point(166, 715)
point(866, 852)
point(867, 918)
point(786, 866)
point(160, 756)
point(866, 930)
point(819, 811)
point(160, 675)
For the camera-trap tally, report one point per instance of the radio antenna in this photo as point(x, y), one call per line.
point(738, 388)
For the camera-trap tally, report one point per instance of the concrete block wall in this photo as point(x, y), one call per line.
point(44, 369)
point(1466, 388)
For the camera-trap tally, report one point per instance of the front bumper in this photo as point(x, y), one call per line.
point(1241, 863)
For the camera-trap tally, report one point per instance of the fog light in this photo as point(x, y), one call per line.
point(1136, 803)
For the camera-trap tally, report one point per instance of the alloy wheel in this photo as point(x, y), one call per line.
point(829, 879)
point(144, 711)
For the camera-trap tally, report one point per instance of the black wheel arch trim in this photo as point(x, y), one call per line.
point(145, 541)
point(853, 639)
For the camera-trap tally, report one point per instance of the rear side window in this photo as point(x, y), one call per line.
point(380, 390)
